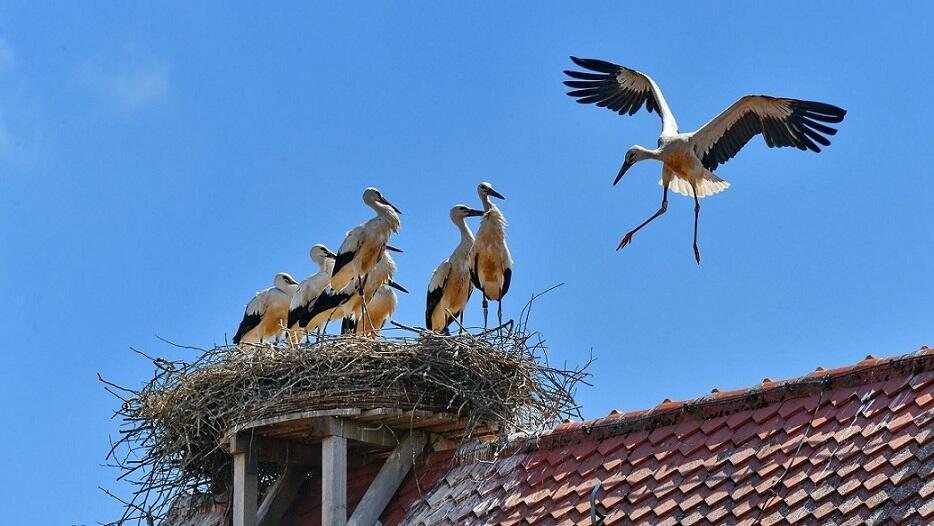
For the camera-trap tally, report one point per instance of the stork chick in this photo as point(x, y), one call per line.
point(490, 261)
point(450, 286)
point(266, 314)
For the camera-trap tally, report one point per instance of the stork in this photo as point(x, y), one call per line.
point(450, 285)
point(333, 303)
point(689, 159)
point(355, 303)
point(266, 313)
point(490, 262)
point(310, 288)
point(380, 307)
point(365, 245)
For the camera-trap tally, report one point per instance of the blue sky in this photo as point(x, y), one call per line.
point(158, 166)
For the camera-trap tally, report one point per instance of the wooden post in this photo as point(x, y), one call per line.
point(388, 480)
point(333, 481)
point(244, 482)
point(281, 495)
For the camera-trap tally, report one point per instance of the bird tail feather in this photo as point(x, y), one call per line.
point(709, 185)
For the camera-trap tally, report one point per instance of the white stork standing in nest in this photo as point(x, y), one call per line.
point(380, 307)
point(450, 285)
point(365, 245)
point(334, 304)
point(265, 315)
point(310, 288)
point(490, 261)
point(690, 158)
point(352, 302)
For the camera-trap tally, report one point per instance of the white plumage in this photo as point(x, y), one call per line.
point(490, 261)
point(309, 290)
point(265, 315)
point(450, 285)
point(689, 159)
point(365, 244)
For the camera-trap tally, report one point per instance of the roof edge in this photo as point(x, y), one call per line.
point(716, 404)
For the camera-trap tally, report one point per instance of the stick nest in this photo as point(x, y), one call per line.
point(172, 427)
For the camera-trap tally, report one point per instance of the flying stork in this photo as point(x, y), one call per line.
point(490, 262)
point(310, 288)
point(450, 285)
point(267, 312)
point(690, 158)
point(365, 245)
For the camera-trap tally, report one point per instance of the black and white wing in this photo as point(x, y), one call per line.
point(782, 122)
point(620, 89)
point(436, 290)
point(252, 315)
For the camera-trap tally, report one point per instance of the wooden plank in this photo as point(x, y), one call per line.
point(284, 452)
point(244, 480)
point(280, 495)
point(352, 430)
point(347, 411)
point(387, 481)
point(334, 481)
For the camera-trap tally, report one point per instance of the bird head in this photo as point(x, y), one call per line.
point(485, 190)
point(459, 212)
point(320, 255)
point(372, 196)
point(283, 281)
point(634, 155)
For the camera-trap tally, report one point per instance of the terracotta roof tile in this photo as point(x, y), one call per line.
point(866, 457)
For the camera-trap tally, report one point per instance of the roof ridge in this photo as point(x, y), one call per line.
point(712, 405)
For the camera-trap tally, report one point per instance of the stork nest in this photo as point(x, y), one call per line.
point(172, 428)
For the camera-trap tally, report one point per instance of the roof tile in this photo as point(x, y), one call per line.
point(866, 455)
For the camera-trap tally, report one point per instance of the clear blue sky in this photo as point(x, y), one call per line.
point(158, 166)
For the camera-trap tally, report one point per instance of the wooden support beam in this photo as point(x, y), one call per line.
point(244, 480)
point(388, 480)
point(334, 481)
point(281, 494)
point(351, 430)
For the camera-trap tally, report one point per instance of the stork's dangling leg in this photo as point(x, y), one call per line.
point(696, 212)
point(460, 330)
point(628, 237)
point(486, 308)
point(499, 310)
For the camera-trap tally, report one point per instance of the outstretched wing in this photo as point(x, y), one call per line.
point(782, 122)
point(435, 290)
point(620, 89)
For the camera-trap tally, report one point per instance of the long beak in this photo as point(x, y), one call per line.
point(471, 212)
point(622, 171)
point(396, 286)
point(390, 205)
point(494, 193)
point(393, 249)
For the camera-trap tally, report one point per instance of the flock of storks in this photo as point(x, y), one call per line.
point(355, 285)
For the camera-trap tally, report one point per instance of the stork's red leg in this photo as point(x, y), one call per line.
point(628, 237)
point(696, 212)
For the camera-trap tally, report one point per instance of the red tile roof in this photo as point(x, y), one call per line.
point(847, 446)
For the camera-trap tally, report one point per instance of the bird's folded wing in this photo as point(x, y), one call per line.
point(782, 122)
point(436, 289)
point(348, 249)
point(618, 88)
